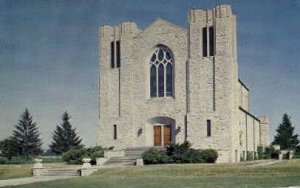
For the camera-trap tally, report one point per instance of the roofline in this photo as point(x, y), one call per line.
point(244, 85)
point(248, 113)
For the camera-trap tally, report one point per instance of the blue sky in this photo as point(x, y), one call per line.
point(49, 56)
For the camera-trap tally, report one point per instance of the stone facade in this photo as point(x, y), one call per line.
point(208, 104)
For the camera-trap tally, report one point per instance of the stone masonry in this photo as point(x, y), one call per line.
point(208, 105)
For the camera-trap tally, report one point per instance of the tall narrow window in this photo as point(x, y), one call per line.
point(161, 73)
point(115, 132)
point(204, 41)
point(118, 53)
point(161, 80)
point(169, 80)
point(208, 124)
point(153, 91)
point(112, 54)
point(211, 41)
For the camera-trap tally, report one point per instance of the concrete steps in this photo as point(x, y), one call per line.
point(131, 154)
point(61, 172)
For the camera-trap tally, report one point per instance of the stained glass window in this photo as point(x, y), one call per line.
point(161, 72)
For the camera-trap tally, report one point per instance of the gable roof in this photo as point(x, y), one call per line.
point(159, 22)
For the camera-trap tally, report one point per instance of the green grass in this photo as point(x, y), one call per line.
point(10, 171)
point(14, 171)
point(283, 174)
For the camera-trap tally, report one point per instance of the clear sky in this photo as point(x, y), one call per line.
point(49, 56)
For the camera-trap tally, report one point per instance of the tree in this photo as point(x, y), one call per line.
point(285, 134)
point(26, 136)
point(8, 148)
point(65, 137)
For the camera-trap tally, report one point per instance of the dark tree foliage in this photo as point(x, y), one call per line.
point(8, 148)
point(26, 136)
point(285, 134)
point(65, 137)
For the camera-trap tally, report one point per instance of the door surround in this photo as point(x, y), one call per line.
point(162, 127)
point(162, 135)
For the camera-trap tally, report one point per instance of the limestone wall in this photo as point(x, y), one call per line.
point(243, 95)
point(130, 105)
point(212, 82)
point(249, 133)
point(205, 88)
point(264, 132)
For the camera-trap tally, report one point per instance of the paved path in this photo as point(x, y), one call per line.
point(265, 163)
point(28, 180)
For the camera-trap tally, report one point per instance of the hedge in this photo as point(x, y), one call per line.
point(179, 153)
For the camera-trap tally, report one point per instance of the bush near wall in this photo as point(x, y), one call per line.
point(209, 155)
point(155, 156)
point(267, 153)
point(75, 156)
point(250, 156)
point(260, 152)
point(179, 153)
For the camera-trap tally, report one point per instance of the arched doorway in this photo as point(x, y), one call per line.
point(163, 130)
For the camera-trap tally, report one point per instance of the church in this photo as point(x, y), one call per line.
point(167, 84)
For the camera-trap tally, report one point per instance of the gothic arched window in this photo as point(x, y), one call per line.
point(161, 72)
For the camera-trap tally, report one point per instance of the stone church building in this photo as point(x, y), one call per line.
point(167, 84)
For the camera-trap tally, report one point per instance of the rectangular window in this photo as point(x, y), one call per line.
point(118, 54)
point(115, 132)
point(208, 124)
point(112, 54)
point(204, 41)
point(211, 41)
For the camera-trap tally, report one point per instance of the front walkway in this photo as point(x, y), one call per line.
point(36, 179)
point(33, 179)
point(265, 163)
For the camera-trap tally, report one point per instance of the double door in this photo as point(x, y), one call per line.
point(162, 135)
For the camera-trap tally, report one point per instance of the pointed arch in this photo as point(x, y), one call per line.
point(161, 72)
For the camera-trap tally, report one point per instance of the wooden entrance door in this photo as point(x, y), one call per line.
point(157, 135)
point(167, 135)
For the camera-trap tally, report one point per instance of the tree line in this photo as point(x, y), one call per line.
point(26, 141)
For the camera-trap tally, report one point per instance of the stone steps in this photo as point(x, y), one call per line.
point(60, 172)
point(131, 154)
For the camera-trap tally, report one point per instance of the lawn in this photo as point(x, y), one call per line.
point(11, 171)
point(283, 174)
point(14, 171)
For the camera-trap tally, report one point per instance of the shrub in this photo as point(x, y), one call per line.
point(296, 155)
point(180, 153)
point(209, 155)
point(52, 159)
point(155, 156)
point(260, 152)
point(20, 160)
point(250, 156)
point(268, 152)
point(271, 153)
point(95, 155)
point(3, 160)
point(177, 151)
point(192, 156)
point(74, 156)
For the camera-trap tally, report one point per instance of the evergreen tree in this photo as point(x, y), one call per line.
point(65, 137)
point(285, 134)
point(26, 136)
point(8, 148)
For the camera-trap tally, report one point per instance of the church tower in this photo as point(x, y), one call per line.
point(212, 80)
point(167, 84)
